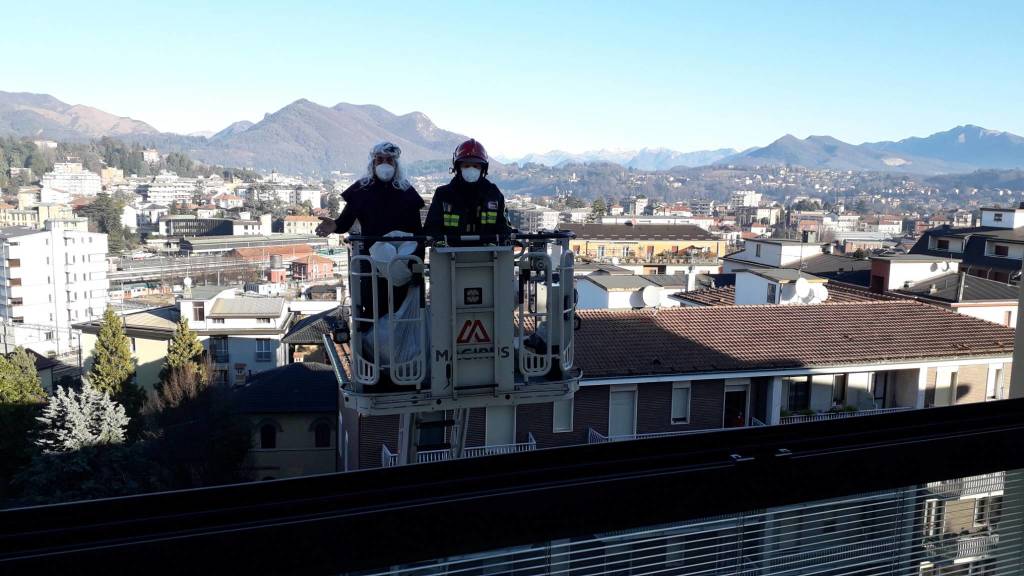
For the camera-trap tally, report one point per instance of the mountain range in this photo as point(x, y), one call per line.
point(643, 159)
point(308, 138)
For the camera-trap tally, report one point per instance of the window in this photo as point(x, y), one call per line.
point(263, 350)
point(561, 415)
point(322, 435)
point(264, 320)
point(1001, 250)
point(995, 383)
point(942, 245)
point(932, 518)
point(799, 396)
point(997, 217)
point(771, 294)
point(219, 349)
point(757, 250)
point(980, 511)
point(199, 311)
point(839, 382)
point(268, 436)
point(217, 320)
point(680, 403)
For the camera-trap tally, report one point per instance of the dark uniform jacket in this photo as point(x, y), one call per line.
point(461, 208)
point(380, 208)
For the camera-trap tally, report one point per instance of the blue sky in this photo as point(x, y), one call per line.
point(534, 76)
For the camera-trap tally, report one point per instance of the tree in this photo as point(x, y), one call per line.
point(201, 440)
point(19, 383)
point(74, 420)
point(333, 205)
point(598, 208)
point(113, 369)
point(105, 214)
point(185, 354)
point(21, 397)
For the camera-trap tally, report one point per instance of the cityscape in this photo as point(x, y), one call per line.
point(343, 338)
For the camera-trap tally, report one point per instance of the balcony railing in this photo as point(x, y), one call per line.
point(964, 548)
point(969, 486)
point(221, 358)
point(389, 458)
point(840, 415)
point(595, 437)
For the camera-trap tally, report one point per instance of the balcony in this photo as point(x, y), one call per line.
point(961, 549)
point(389, 458)
point(839, 414)
point(984, 484)
point(220, 358)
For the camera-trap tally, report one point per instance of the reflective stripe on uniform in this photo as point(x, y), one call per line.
point(451, 220)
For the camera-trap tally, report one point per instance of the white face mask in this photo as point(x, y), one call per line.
point(384, 172)
point(470, 174)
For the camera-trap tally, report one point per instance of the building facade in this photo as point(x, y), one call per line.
point(51, 279)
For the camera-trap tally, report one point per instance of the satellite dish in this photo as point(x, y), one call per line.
point(650, 295)
point(646, 297)
point(187, 281)
point(803, 287)
point(822, 292)
point(615, 260)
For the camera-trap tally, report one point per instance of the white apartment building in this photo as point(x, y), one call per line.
point(533, 218)
point(745, 198)
point(168, 188)
point(50, 279)
point(151, 156)
point(69, 179)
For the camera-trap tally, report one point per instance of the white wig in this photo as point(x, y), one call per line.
point(386, 150)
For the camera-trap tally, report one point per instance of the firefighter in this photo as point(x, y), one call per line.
point(470, 204)
point(381, 201)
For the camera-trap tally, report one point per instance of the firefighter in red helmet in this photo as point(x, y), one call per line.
point(470, 204)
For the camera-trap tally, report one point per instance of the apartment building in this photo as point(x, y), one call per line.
point(242, 333)
point(300, 224)
point(684, 370)
point(69, 179)
point(533, 219)
point(811, 257)
point(992, 250)
point(34, 216)
point(51, 278)
point(168, 188)
point(605, 241)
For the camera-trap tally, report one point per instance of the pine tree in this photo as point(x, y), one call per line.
point(113, 368)
point(19, 383)
point(74, 420)
point(184, 354)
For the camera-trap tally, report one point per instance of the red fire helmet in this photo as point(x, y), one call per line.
point(470, 151)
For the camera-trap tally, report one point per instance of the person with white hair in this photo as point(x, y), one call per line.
point(382, 201)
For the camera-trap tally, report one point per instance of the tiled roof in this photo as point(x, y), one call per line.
point(736, 338)
point(639, 232)
point(312, 329)
point(206, 292)
point(246, 307)
point(292, 388)
point(289, 252)
point(975, 289)
point(301, 219)
point(667, 280)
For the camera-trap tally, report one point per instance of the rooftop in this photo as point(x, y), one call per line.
point(726, 295)
point(163, 319)
point(974, 289)
point(246, 307)
point(298, 387)
point(301, 219)
point(692, 340)
point(639, 232)
point(587, 268)
point(667, 280)
point(206, 292)
point(785, 275)
point(618, 283)
point(913, 258)
point(312, 329)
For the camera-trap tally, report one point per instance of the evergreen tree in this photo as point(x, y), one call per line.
point(74, 420)
point(333, 205)
point(21, 397)
point(185, 353)
point(19, 383)
point(598, 208)
point(113, 368)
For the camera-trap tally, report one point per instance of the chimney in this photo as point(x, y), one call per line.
point(932, 289)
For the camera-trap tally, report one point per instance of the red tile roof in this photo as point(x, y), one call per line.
point(737, 338)
point(288, 252)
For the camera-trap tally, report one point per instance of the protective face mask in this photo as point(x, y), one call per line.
point(385, 172)
point(470, 174)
